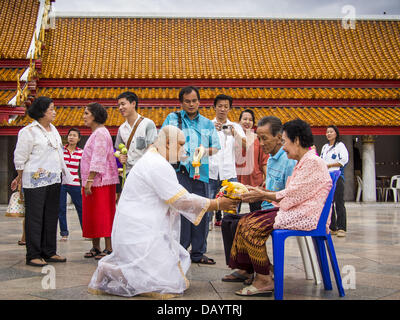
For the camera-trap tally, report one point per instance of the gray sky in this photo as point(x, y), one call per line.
point(230, 8)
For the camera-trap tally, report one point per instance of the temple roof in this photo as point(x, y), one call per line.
point(17, 27)
point(315, 116)
point(11, 74)
point(235, 93)
point(188, 48)
point(6, 95)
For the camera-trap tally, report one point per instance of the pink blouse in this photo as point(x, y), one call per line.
point(304, 196)
point(98, 156)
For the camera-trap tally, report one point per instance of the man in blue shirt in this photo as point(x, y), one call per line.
point(279, 168)
point(199, 131)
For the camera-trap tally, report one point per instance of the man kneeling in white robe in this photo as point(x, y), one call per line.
point(147, 258)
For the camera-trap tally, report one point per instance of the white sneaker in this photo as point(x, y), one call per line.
point(341, 233)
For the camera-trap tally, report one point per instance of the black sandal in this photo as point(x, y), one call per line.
point(102, 254)
point(205, 260)
point(92, 253)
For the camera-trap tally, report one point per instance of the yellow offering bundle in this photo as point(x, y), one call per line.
point(117, 154)
point(232, 190)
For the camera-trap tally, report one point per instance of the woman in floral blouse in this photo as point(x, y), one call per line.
point(39, 162)
point(99, 174)
point(300, 205)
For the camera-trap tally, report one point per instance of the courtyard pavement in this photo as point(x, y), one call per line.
point(371, 248)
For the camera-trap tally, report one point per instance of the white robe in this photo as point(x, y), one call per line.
point(147, 255)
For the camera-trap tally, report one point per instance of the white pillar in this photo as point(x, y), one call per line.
point(368, 169)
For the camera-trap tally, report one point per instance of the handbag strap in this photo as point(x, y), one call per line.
point(133, 132)
point(20, 191)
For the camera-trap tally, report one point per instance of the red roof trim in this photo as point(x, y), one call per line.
point(347, 131)
point(14, 63)
point(238, 102)
point(8, 110)
point(45, 82)
point(10, 85)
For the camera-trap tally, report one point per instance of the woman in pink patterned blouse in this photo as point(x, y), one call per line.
point(300, 205)
point(99, 175)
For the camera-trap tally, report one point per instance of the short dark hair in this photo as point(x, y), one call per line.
point(248, 111)
point(98, 111)
point(275, 124)
point(130, 96)
point(301, 130)
point(39, 107)
point(337, 139)
point(223, 97)
point(187, 90)
point(76, 130)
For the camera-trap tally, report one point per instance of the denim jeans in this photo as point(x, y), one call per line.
point(76, 196)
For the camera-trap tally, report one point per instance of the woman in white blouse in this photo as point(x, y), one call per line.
point(336, 156)
point(39, 162)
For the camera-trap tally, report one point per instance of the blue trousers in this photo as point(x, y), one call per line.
point(191, 234)
point(76, 197)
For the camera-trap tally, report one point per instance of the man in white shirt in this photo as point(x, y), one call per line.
point(145, 130)
point(231, 136)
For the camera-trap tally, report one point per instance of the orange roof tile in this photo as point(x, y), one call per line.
point(236, 93)
point(203, 48)
point(6, 95)
point(315, 116)
point(17, 27)
point(10, 74)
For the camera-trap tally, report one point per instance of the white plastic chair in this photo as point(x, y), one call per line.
point(394, 187)
point(310, 260)
point(359, 190)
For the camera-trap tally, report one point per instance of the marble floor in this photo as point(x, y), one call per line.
point(371, 249)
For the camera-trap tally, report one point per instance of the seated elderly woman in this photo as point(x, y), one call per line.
point(300, 205)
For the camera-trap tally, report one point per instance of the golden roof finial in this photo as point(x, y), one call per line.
point(18, 96)
point(42, 31)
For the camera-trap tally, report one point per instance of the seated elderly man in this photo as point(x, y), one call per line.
point(147, 258)
point(279, 168)
point(300, 206)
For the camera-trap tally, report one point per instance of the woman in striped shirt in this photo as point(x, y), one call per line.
point(72, 158)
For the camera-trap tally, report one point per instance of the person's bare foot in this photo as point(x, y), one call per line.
point(263, 282)
point(36, 262)
point(237, 276)
point(56, 258)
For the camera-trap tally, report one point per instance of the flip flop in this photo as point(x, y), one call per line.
point(252, 291)
point(238, 277)
point(102, 254)
point(21, 243)
point(92, 253)
point(205, 260)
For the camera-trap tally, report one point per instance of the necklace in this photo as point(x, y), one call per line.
point(50, 141)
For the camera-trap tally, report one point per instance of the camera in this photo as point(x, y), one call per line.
point(227, 129)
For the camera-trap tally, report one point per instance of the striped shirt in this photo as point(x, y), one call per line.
point(72, 162)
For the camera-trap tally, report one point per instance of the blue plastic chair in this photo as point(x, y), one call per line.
point(320, 237)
